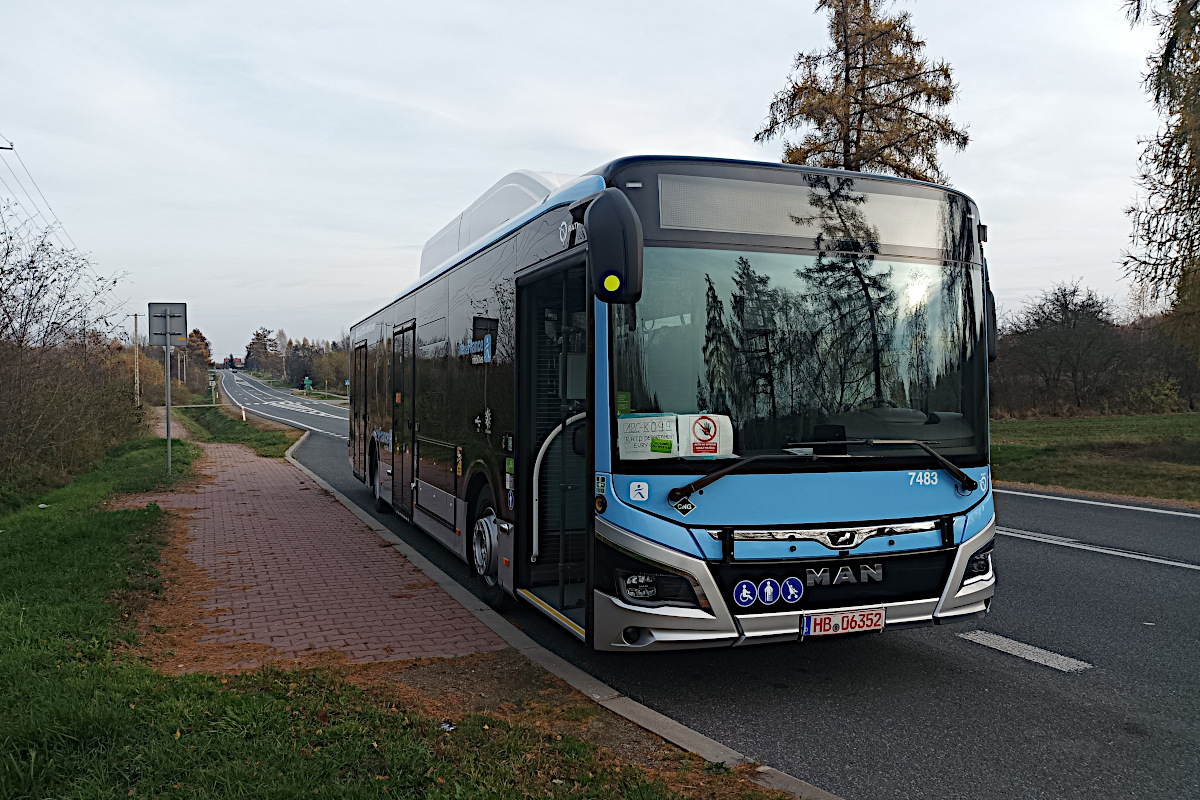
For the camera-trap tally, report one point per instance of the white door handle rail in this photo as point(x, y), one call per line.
point(537, 474)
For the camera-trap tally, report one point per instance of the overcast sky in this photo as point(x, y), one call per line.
point(281, 164)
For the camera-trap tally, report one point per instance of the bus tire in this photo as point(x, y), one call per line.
point(482, 552)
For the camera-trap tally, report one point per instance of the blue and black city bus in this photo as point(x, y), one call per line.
point(686, 402)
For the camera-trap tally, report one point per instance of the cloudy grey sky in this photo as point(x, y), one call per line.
point(280, 164)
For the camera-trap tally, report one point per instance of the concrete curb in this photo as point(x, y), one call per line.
point(675, 732)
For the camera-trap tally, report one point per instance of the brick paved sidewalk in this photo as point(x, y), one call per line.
point(298, 572)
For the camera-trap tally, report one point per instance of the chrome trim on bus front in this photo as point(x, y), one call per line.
point(664, 626)
point(846, 538)
point(958, 600)
point(669, 628)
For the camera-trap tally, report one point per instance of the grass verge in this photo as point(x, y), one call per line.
point(214, 425)
point(1153, 456)
point(82, 716)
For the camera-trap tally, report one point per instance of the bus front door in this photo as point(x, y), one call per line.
point(554, 366)
point(403, 411)
point(358, 414)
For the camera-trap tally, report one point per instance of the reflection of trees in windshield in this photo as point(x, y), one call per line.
point(853, 288)
point(852, 334)
point(841, 337)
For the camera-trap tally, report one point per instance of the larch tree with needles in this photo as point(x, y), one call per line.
point(869, 102)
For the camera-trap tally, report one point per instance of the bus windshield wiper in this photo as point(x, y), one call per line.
point(966, 481)
point(680, 492)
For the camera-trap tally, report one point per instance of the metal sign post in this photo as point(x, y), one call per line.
point(168, 326)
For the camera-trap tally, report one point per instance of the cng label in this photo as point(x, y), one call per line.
point(684, 506)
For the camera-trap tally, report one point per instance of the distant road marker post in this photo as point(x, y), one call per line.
point(163, 319)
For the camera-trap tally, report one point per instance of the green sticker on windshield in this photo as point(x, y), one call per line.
point(510, 466)
point(662, 446)
point(623, 403)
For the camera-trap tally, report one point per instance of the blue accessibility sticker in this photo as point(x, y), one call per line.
point(768, 591)
point(793, 590)
point(745, 593)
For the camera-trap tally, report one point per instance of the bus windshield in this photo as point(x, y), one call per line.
point(784, 348)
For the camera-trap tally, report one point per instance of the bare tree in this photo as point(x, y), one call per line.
point(66, 389)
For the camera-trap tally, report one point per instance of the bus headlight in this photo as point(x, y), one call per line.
point(640, 582)
point(979, 566)
point(655, 589)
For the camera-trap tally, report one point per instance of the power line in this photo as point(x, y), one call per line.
point(32, 202)
point(62, 227)
point(57, 225)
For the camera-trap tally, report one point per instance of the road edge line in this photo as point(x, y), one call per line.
point(1088, 502)
point(641, 715)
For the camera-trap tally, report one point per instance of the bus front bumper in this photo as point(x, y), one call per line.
point(621, 626)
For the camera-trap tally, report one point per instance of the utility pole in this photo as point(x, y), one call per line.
point(168, 360)
point(137, 372)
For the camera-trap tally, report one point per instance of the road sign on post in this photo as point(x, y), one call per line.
point(168, 328)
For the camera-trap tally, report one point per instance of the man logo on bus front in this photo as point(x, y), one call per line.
point(841, 538)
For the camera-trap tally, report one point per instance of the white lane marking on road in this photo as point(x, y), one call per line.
point(1099, 503)
point(1026, 651)
point(1078, 545)
point(292, 405)
point(296, 424)
point(291, 422)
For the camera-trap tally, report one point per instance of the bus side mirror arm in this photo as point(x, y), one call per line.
point(614, 240)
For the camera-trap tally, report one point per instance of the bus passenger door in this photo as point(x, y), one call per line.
point(553, 363)
point(403, 347)
point(358, 374)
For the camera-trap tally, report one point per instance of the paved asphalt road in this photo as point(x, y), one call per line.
point(280, 405)
point(1111, 593)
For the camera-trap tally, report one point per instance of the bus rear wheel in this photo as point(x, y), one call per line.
point(484, 554)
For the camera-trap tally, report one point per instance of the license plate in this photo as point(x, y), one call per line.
point(867, 619)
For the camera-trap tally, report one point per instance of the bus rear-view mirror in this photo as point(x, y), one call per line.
point(614, 236)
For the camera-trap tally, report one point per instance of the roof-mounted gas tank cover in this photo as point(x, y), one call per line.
point(512, 195)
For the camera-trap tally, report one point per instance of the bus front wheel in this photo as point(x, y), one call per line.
point(484, 555)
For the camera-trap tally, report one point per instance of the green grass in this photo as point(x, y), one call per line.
point(77, 721)
point(1144, 456)
point(213, 425)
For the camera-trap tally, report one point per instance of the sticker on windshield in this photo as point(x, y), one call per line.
point(705, 435)
point(623, 403)
point(646, 436)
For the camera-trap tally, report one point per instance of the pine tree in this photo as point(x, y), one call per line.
point(870, 101)
point(1164, 254)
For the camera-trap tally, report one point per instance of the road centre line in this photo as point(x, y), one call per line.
point(1099, 503)
point(1046, 538)
point(1026, 651)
